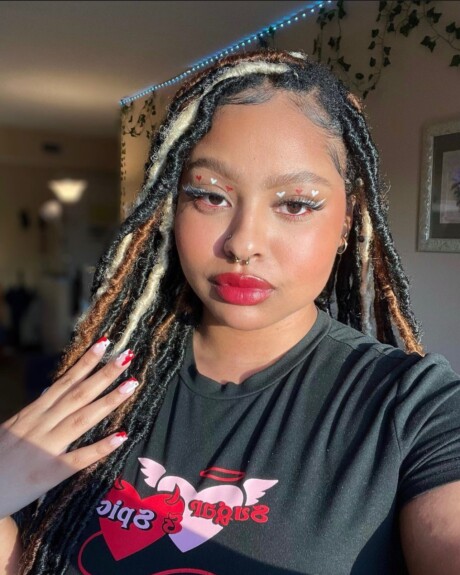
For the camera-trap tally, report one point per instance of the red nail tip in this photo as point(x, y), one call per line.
point(121, 434)
point(101, 339)
point(129, 357)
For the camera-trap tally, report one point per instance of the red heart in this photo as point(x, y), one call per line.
point(122, 535)
point(298, 191)
point(198, 177)
point(229, 188)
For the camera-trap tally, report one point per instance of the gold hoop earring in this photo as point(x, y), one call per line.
point(343, 247)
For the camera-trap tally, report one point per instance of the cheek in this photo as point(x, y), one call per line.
point(194, 241)
point(313, 261)
point(310, 253)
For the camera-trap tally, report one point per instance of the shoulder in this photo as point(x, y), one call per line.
point(367, 359)
point(357, 349)
point(349, 338)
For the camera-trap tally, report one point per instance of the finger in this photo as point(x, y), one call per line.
point(81, 421)
point(85, 392)
point(77, 372)
point(84, 456)
point(86, 363)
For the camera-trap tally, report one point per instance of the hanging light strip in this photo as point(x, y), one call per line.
point(247, 41)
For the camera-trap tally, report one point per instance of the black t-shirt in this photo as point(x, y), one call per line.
point(301, 469)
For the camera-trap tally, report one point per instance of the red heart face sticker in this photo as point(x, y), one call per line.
point(229, 188)
point(129, 523)
point(198, 178)
point(298, 191)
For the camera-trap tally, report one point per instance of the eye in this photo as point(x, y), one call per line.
point(214, 199)
point(296, 208)
point(205, 200)
point(299, 207)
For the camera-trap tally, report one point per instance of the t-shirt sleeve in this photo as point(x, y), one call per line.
point(427, 421)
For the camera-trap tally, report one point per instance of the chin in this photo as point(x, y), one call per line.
point(241, 318)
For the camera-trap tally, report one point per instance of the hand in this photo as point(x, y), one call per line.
point(34, 442)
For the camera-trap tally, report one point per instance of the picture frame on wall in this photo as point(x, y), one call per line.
point(439, 213)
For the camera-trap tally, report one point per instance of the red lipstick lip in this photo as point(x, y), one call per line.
point(241, 281)
point(240, 289)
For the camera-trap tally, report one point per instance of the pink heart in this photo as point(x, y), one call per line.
point(197, 530)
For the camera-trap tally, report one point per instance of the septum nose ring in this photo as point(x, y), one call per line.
point(237, 260)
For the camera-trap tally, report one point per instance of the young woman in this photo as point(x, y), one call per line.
point(256, 433)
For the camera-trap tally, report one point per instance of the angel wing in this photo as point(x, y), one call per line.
point(152, 470)
point(256, 488)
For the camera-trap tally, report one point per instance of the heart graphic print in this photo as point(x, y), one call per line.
point(197, 530)
point(188, 516)
point(129, 523)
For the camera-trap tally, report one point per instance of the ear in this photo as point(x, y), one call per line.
point(348, 222)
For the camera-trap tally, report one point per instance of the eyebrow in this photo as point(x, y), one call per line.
point(211, 164)
point(304, 176)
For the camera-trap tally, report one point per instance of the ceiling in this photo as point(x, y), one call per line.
point(64, 65)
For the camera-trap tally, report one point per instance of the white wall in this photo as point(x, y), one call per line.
point(417, 89)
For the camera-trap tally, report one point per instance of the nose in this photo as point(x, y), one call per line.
point(246, 237)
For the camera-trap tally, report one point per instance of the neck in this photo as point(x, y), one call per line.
point(226, 354)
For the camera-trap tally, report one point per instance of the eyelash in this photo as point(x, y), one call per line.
point(197, 194)
point(304, 202)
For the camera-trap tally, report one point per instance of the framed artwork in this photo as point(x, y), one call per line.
point(439, 214)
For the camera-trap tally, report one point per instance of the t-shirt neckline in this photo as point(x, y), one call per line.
point(207, 387)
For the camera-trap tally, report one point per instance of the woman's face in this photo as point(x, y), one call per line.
point(262, 185)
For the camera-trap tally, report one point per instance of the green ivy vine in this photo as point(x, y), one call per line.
point(393, 17)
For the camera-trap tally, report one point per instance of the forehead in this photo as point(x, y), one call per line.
point(276, 133)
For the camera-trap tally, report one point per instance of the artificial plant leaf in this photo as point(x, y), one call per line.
point(430, 43)
point(404, 30)
point(413, 19)
point(343, 64)
point(433, 16)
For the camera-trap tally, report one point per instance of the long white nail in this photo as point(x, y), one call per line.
point(124, 358)
point(118, 438)
point(128, 386)
point(100, 346)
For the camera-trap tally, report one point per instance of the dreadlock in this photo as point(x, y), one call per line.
point(140, 297)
